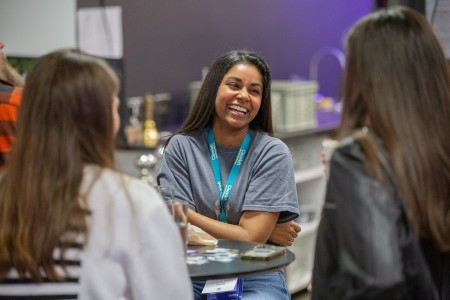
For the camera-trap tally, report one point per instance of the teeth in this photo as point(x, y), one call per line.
point(238, 108)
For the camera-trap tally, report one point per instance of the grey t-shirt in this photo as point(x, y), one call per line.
point(265, 181)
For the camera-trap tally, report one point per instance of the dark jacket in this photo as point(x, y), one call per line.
point(365, 248)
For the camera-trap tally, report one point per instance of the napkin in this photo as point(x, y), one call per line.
point(198, 237)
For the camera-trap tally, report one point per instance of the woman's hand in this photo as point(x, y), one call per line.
point(7, 72)
point(285, 233)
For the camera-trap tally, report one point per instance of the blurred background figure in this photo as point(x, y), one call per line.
point(11, 83)
point(385, 229)
point(71, 227)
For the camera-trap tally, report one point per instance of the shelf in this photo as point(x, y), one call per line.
point(298, 274)
point(326, 122)
point(310, 178)
point(296, 283)
point(309, 174)
point(308, 228)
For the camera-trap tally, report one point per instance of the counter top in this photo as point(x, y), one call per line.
point(326, 121)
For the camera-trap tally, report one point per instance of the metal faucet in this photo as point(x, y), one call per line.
point(321, 53)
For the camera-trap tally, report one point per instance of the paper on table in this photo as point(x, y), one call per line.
point(197, 237)
point(219, 285)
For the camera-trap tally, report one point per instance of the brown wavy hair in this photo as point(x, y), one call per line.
point(397, 83)
point(65, 122)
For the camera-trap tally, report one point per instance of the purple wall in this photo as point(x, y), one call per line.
point(167, 42)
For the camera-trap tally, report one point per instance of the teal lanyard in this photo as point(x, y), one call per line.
point(224, 194)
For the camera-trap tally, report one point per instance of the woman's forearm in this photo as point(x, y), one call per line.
point(8, 73)
point(253, 227)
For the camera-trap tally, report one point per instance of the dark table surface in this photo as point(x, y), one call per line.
point(237, 267)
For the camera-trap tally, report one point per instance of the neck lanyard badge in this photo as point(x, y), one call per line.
point(224, 193)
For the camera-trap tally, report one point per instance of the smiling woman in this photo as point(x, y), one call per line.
point(228, 137)
point(237, 104)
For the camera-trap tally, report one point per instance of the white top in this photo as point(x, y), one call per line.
point(134, 250)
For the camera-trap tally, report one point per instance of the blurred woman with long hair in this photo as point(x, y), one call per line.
point(385, 229)
point(71, 227)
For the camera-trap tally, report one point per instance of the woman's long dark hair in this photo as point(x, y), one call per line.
point(202, 112)
point(65, 122)
point(398, 84)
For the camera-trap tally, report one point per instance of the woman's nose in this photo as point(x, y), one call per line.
point(244, 94)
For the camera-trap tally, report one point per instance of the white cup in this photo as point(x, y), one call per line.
point(178, 209)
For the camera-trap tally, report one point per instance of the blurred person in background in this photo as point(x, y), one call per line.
point(385, 228)
point(71, 226)
point(11, 83)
